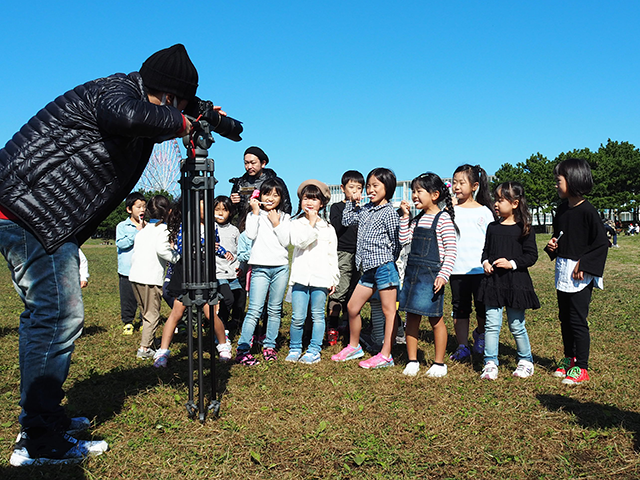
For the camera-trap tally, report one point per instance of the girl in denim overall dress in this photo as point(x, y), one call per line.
point(433, 253)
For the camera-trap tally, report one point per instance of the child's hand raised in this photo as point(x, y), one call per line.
point(274, 217)
point(255, 206)
point(406, 208)
point(312, 215)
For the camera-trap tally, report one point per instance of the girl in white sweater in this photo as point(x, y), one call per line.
point(314, 269)
point(151, 252)
point(268, 228)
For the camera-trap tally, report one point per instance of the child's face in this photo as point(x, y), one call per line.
point(310, 204)
point(221, 213)
point(561, 186)
point(376, 190)
point(424, 200)
point(136, 212)
point(462, 188)
point(351, 189)
point(503, 207)
point(271, 200)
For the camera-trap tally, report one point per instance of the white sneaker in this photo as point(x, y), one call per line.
point(524, 369)
point(437, 371)
point(490, 371)
point(412, 369)
point(224, 351)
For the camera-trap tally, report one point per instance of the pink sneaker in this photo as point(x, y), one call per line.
point(377, 361)
point(348, 353)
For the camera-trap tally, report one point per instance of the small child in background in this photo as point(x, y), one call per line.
point(376, 252)
point(474, 213)
point(126, 232)
point(352, 184)
point(227, 265)
point(175, 292)
point(314, 269)
point(151, 252)
point(579, 245)
point(84, 269)
point(268, 227)
point(509, 250)
point(432, 235)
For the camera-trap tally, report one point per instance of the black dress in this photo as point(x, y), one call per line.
point(508, 287)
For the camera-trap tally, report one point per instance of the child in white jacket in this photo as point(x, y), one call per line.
point(151, 252)
point(314, 269)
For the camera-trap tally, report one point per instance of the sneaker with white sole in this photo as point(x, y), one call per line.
point(224, 351)
point(161, 358)
point(524, 369)
point(490, 371)
point(77, 425)
point(461, 354)
point(310, 358)
point(294, 356)
point(147, 354)
point(437, 371)
point(576, 376)
point(412, 369)
point(52, 448)
point(348, 353)
point(377, 361)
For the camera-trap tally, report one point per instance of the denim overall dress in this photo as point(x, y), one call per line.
point(423, 266)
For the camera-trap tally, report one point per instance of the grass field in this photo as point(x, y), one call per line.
point(328, 420)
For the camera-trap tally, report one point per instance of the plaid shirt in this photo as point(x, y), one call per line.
point(378, 241)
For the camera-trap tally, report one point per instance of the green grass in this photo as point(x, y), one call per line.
point(330, 420)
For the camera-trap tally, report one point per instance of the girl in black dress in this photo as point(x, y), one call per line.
point(509, 250)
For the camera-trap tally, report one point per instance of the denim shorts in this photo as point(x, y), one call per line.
point(381, 277)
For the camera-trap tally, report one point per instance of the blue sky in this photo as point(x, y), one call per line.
point(327, 86)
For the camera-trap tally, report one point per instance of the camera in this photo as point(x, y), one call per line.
point(202, 112)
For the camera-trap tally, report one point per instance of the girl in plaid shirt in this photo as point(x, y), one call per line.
point(377, 249)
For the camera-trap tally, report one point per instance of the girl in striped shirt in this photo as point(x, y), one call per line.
point(433, 253)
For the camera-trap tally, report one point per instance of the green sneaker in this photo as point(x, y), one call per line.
point(563, 366)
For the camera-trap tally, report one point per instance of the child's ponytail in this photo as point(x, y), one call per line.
point(476, 174)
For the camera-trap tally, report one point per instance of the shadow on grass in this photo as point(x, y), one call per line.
point(116, 385)
point(595, 415)
point(67, 472)
point(8, 331)
point(90, 330)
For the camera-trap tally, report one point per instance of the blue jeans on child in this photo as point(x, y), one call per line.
point(515, 319)
point(271, 280)
point(49, 287)
point(300, 296)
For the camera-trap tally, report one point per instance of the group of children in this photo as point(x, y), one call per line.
point(353, 259)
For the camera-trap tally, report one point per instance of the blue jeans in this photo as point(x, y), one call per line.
point(271, 280)
point(515, 319)
point(300, 296)
point(49, 286)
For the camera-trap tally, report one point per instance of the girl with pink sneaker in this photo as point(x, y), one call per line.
point(432, 235)
point(377, 249)
point(579, 246)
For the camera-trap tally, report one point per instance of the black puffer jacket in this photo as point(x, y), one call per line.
point(76, 160)
point(246, 184)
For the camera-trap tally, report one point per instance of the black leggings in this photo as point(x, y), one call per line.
point(573, 309)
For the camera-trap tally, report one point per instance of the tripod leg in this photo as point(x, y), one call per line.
point(214, 403)
point(191, 407)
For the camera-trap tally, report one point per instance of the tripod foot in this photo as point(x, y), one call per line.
point(214, 408)
point(192, 410)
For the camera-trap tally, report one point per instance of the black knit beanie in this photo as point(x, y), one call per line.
point(171, 71)
point(258, 152)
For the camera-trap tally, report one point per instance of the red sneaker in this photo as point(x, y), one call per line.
point(575, 376)
point(563, 367)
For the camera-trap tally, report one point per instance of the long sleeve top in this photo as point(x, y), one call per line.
point(445, 233)
point(315, 254)
point(228, 239)
point(378, 242)
point(151, 252)
point(269, 243)
point(126, 232)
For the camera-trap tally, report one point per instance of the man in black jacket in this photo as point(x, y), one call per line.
point(60, 176)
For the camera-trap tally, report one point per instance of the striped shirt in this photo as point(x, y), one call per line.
point(445, 233)
point(378, 241)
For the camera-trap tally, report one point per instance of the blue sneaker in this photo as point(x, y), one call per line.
point(310, 358)
point(294, 356)
point(461, 354)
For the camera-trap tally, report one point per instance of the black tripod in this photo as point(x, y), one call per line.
point(198, 242)
point(198, 262)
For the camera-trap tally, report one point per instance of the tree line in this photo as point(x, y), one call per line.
point(616, 176)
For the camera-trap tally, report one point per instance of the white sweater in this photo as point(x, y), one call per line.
point(315, 256)
point(151, 252)
point(269, 244)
